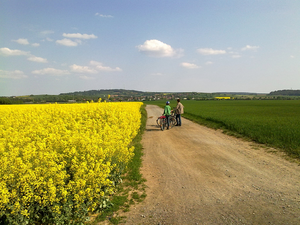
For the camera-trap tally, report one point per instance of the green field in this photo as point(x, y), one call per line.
point(272, 122)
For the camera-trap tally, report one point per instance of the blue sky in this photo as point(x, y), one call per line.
point(59, 46)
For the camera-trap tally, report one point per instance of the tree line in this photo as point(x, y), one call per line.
point(286, 92)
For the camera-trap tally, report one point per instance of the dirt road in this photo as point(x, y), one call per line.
point(196, 175)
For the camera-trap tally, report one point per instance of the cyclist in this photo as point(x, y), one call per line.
point(167, 113)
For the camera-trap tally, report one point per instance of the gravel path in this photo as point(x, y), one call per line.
point(197, 175)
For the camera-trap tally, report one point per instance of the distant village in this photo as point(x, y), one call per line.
point(120, 95)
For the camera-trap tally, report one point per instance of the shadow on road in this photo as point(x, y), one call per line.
point(158, 129)
point(153, 128)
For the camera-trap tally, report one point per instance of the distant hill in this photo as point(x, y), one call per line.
point(122, 92)
point(104, 92)
point(133, 95)
point(286, 92)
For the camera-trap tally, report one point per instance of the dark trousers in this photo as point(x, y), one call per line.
point(178, 119)
point(168, 121)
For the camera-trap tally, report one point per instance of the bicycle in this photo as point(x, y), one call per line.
point(173, 118)
point(163, 123)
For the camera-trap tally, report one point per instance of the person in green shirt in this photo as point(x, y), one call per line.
point(167, 113)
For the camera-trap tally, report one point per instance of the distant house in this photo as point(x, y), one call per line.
point(71, 100)
point(223, 98)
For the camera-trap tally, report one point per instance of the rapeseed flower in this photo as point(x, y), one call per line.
point(62, 160)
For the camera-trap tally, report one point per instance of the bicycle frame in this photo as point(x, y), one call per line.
point(163, 123)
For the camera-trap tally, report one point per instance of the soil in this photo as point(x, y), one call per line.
point(197, 175)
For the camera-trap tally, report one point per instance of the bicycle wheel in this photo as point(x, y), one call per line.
point(158, 122)
point(172, 121)
point(162, 124)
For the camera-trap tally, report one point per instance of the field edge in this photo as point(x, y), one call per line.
point(132, 189)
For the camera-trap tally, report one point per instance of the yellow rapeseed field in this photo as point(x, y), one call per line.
point(58, 162)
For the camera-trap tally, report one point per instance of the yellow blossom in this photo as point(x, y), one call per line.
point(55, 152)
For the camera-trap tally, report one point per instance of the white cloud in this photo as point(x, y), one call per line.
point(67, 42)
point(46, 32)
point(189, 65)
point(10, 52)
point(157, 48)
point(99, 66)
point(292, 56)
point(82, 69)
point(51, 71)
point(210, 51)
point(16, 74)
point(87, 78)
point(22, 41)
point(105, 16)
point(236, 56)
point(49, 39)
point(208, 63)
point(37, 59)
point(80, 36)
point(94, 67)
point(248, 47)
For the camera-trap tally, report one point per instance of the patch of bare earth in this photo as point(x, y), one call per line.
point(197, 175)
